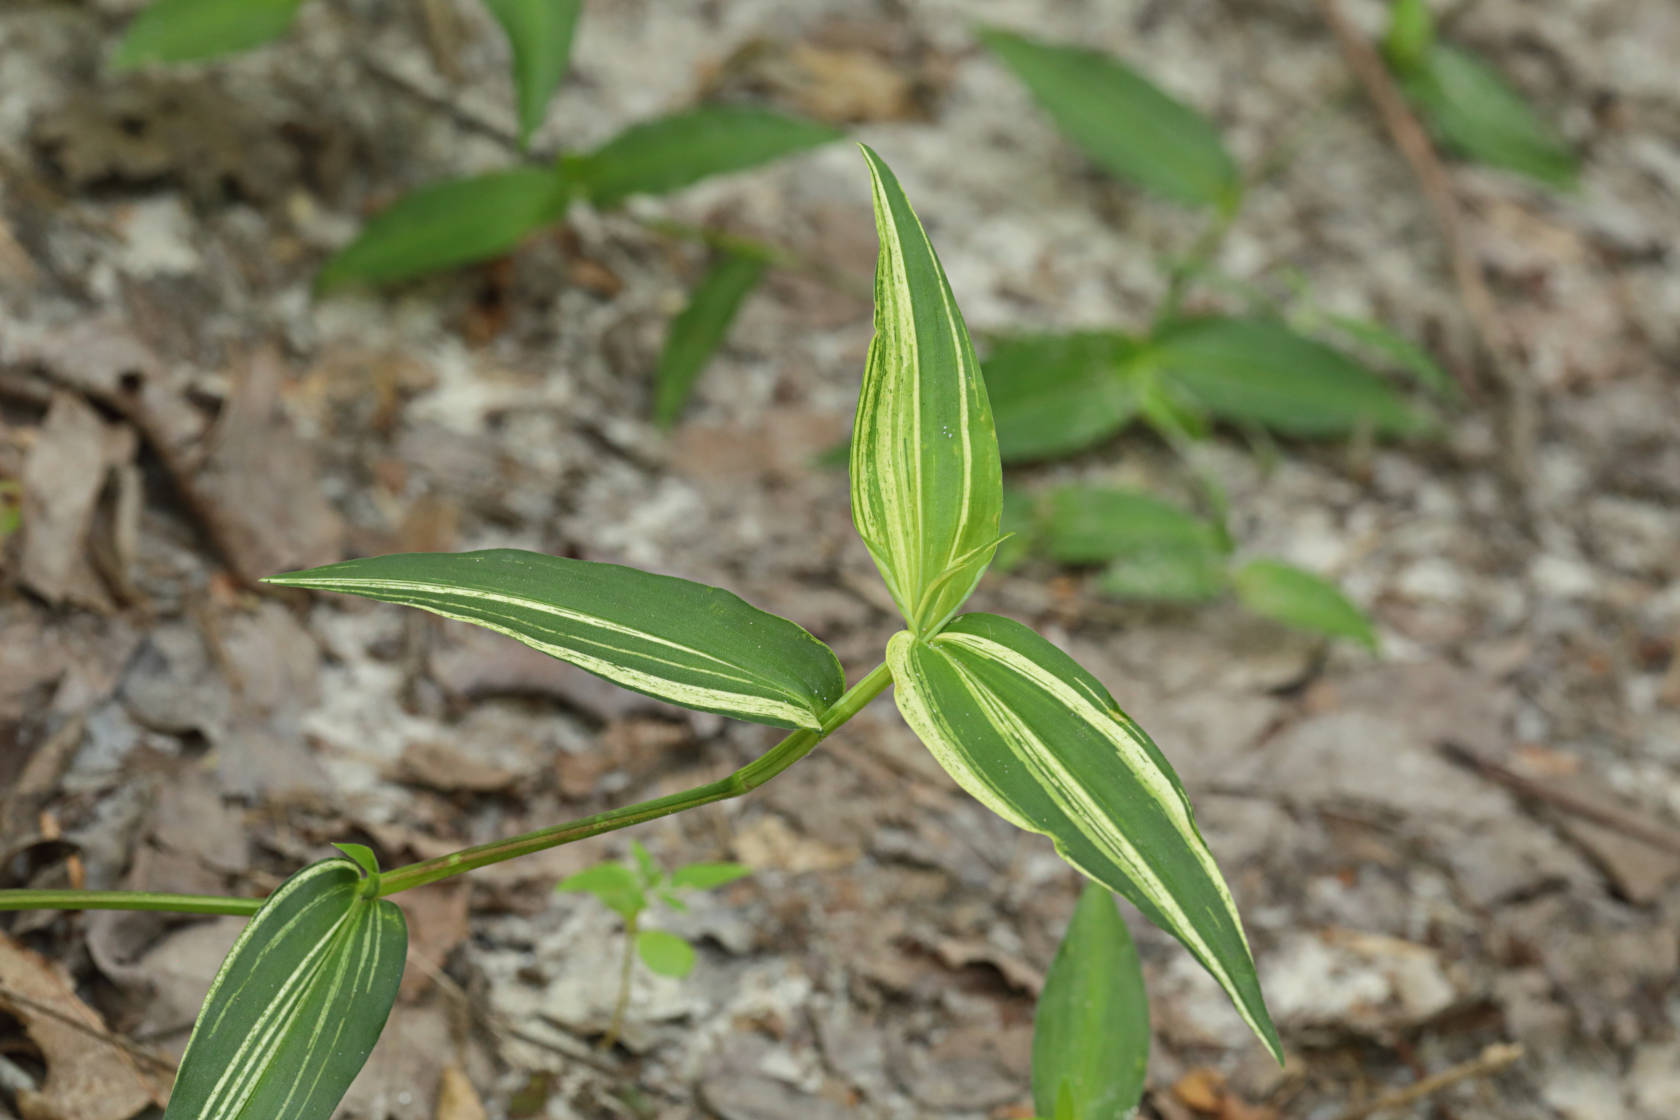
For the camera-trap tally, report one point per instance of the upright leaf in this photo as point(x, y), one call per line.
point(1259, 371)
point(1053, 395)
point(1289, 595)
point(539, 34)
point(1471, 108)
point(683, 642)
point(613, 884)
point(189, 30)
point(1122, 121)
point(927, 485)
point(298, 1003)
point(1091, 1032)
point(448, 224)
point(699, 329)
point(1411, 35)
point(668, 153)
point(1036, 739)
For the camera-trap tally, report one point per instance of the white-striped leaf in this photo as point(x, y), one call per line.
point(1039, 741)
point(684, 642)
point(1091, 1030)
point(297, 1005)
point(927, 485)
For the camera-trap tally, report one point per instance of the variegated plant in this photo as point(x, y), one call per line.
point(1014, 720)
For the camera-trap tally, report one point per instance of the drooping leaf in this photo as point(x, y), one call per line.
point(1122, 121)
point(1093, 525)
point(1036, 739)
point(706, 876)
point(448, 224)
point(188, 30)
point(1411, 35)
point(1259, 371)
point(1091, 1031)
point(539, 33)
point(1470, 107)
point(1053, 395)
point(1401, 351)
point(613, 883)
point(927, 484)
point(298, 1003)
point(686, 643)
point(699, 329)
point(1299, 598)
point(672, 152)
point(665, 953)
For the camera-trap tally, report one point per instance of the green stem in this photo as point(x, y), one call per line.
point(631, 928)
point(749, 777)
point(773, 255)
point(128, 900)
point(1193, 264)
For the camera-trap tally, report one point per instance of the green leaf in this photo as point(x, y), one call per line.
point(665, 953)
point(1259, 371)
point(1287, 594)
point(298, 1003)
point(646, 866)
point(672, 152)
point(1091, 1031)
point(927, 484)
point(539, 33)
point(448, 224)
point(706, 876)
point(613, 883)
point(699, 329)
point(363, 857)
point(1397, 349)
point(1093, 525)
point(1053, 395)
point(1036, 739)
point(1411, 35)
point(188, 30)
point(1020, 528)
point(677, 641)
point(1471, 108)
point(1123, 122)
point(1165, 576)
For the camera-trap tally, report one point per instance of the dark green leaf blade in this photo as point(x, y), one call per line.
point(1091, 1031)
point(298, 1003)
point(927, 483)
point(669, 153)
point(1093, 525)
point(1039, 741)
point(1299, 598)
point(539, 33)
point(1399, 350)
point(445, 225)
point(665, 953)
point(1053, 395)
point(683, 642)
point(1471, 107)
point(189, 30)
point(1122, 121)
point(1259, 371)
point(698, 331)
point(707, 876)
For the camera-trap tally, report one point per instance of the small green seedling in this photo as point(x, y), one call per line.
point(629, 889)
point(1091, 1030)
point(1469, 105)
point(1012, 718)
point(1152, 551)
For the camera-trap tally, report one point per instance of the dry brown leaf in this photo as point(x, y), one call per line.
point(1202, 1089)
point(89, 1076)
point(456, 1098)
point(62, 480)
point(441, 767)
point(437, 923)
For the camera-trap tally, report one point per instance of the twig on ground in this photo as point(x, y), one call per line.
point(1490, 1061)
point(1494, 336)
